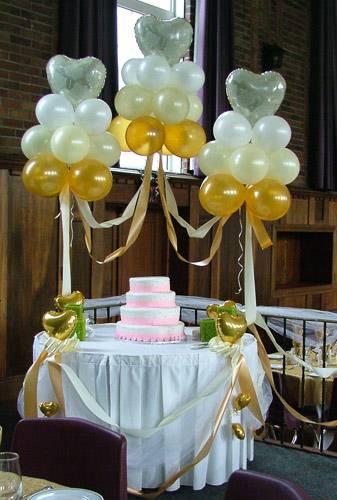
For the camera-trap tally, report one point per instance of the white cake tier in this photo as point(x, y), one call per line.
point(150, 333)
point(150, 315)
point(159, 299)
point(150, 284)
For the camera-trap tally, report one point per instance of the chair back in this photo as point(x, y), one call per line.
point(73, 452)
point(256, 486)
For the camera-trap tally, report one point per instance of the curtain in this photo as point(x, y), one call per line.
point(322, 158)
point(89, 28)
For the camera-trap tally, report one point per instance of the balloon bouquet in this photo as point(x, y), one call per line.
point(248, 162)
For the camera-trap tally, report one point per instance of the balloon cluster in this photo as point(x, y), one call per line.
point(248, 164)
point(158, 108)
point(70, 145)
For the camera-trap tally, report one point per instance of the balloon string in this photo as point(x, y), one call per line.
point(241, 255)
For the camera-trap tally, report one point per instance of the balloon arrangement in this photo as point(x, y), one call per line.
point(248, 161)
point(71, 145)
point(158, 108)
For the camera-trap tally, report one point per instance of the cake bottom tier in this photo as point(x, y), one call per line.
point(150, 333)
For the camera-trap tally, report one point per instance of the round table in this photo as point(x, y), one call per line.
point(137, 385)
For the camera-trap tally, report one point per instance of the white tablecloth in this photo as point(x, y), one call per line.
point(139, 384)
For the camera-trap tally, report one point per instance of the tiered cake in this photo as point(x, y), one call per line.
point(150, 313)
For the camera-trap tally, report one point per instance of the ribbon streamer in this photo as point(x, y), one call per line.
point(65, 217)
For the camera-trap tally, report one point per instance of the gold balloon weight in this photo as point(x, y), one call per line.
point(241, 401)
point(239, 431)
point(49, 408)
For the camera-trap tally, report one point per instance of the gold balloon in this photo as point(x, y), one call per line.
point(241, 401)
point(239, 431)
point(221, 194)
point(49, 408)
point(212, 311)
point(90, 180)
point(118, 128)
point(184, 139)
point(165, 151)
point(76, 298)
point(230, 328)
point(60, 325)
point(44, 175)
point(268, 199)
point(145, 135)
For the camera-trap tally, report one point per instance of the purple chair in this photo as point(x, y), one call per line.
point(74, 453)
point(256, 486)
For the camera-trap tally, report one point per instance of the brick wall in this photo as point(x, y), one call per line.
point(287, 24)
point(28, 36)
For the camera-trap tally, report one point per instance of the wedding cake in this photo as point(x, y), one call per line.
point(151, 313)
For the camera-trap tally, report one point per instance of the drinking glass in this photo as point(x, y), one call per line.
point(10, 477)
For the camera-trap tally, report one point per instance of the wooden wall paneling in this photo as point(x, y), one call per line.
point(32, 269)
point(194, 220)
point(332, 212)
point(314, 301)
point(3, 269)
point(80, 259)
point(329, 301)
point(263, 270)
point(299, 211)
point(215, 269)
point(295, 301)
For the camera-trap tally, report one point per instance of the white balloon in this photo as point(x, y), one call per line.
point(232, 129)
point(214, 158)
point(104, 148)
point(195, 110)
point(249, 164)
point(54, 110)
point(189, 75)
point(129, 71)
point(271, 132)
point(284, 166)
point(154, 72)
point(93, 115)
point(36, 140)
point(70, 144)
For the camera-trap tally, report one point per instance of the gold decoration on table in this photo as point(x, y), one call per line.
point(75, 298)
point(238, 431)
point(49, 408)
point(241, 401)
point(60, 325)
point(230, 326)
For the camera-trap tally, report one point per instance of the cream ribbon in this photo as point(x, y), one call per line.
point(65, 217)
point(249, 279)
point(226, 349)
point(201, 231)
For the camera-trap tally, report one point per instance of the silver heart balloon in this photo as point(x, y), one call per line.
point(171, 38)
point(76, 79)
point(253, 95)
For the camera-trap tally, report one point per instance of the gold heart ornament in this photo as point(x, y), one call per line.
point(239, 431)
point(60, 325)
point(76, 298)
point(230, 328)
point(212, 311)
point(49, 408)
point(241, 401)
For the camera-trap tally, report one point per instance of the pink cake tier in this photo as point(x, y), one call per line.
point(150, 313)
point(150, 284)
point(150, 333)
point(150, 299)
point(157, 316)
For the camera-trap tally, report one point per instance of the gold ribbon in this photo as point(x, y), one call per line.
point(171, 231)
point(260, 231)
point(55, 375)
point(30, 386)
point(265, 361)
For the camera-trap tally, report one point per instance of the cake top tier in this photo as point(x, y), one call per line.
point(150, 284)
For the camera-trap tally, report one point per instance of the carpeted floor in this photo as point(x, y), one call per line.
point(316, 474)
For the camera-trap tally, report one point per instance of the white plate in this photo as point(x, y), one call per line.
point(275, 355)
point(66, 494)
point(276, 367)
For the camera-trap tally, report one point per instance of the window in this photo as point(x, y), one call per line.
point(128, 11)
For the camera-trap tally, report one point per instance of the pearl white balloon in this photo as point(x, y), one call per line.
point(54, 110)
point(170, 105)
point(195, 110)
point(36, 140)
point(104, 148)
point(70, 144)
point(214, 158)
point(232, 129)
point(271, 132)
point(154, 72)
point(133, 101)
point(189, 75)
point(249, 164)
point(129, 71)
point(93, 115)
point(284, 166)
